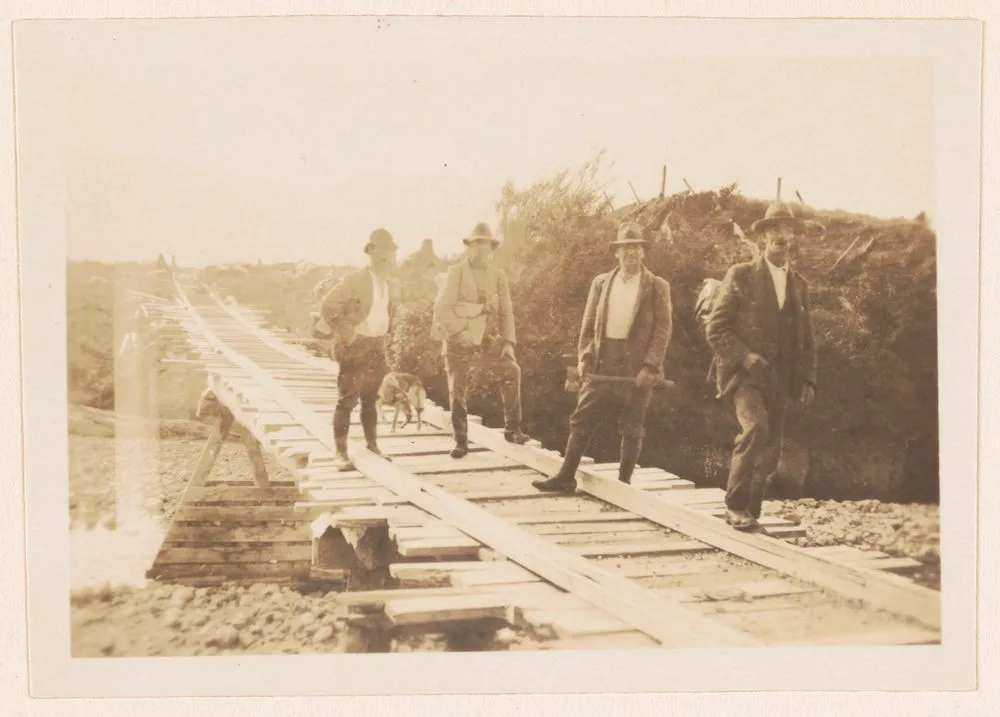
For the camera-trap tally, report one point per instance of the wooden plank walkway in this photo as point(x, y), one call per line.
point(635, 565)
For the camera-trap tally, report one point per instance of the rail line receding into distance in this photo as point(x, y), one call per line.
point(445, 544)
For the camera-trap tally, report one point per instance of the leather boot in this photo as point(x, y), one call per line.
point(373, 447)
point(342, 463)
point(631, 447)
point(514, 435)
point(565, 480)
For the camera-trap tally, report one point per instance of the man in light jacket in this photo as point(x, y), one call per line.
point(761, 333)
point(626, 330)
point(474, 319)
point(359, 312)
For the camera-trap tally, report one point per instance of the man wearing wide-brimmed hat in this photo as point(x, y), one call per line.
point(359, 312)
point(761, 333)
point(474, 319)
point(625, 333)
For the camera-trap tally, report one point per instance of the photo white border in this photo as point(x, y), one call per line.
point(43, 344)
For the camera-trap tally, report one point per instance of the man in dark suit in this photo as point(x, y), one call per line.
point(474, 319)
point(626, 329)
point(359, 312)
point(761, 333)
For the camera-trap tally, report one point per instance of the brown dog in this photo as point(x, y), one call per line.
point(402, 392)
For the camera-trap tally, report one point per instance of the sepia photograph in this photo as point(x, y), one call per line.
point(515, 337)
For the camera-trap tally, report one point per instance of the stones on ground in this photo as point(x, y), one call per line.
point(906, 531)
point(172, 618)
point(224, 636)
point(323, 634)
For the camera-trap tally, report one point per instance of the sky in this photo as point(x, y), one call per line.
point(291, 139)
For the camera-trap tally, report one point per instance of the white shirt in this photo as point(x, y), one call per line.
point(377, 321)
point(779, 275)
point(622, 295)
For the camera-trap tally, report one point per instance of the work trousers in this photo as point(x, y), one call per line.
point(362, 367)
point(624, 401)
point(460, 363)
point(760, 410)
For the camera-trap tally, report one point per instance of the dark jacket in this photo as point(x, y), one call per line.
point(347, 304)
point(746, 319)
point(651, 329)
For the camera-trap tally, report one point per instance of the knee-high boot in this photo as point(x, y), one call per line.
point(565, 479)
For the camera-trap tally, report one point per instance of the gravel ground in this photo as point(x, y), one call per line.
point(900, 530)
point(138, 619)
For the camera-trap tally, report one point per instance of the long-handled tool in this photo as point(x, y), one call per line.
point(658, 382)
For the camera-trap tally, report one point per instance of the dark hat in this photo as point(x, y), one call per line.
point(380, 238)
point(782, 213)
point(630, 233)
point(481, 232)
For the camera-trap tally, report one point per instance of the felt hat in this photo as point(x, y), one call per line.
point(481, 232)
point(630, 233)
point(782, 213)
point(380, 238)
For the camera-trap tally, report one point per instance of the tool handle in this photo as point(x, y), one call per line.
point(598, 378)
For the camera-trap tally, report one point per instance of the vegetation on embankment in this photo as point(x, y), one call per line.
point(872, 431)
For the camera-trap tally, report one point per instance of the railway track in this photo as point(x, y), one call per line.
point(423, 543)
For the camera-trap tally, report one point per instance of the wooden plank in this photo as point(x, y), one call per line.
point(644, 571)
point(443, 547)
point(499, 573)
point(656, 617)
point(878, 589)
point(737, 591)
point(311, 486)
point(847, 553)
point(661, 547)
point(460, 608)
point(238, 514)
point(249, 553)
point(901, 566)
point(393, 444)
point(693, 497)
point(380, 515)
point(265, 532)
point(249, 571)
point(226, 495)
point(786, 532)
point(432, 574)
point(573, 517)
point(209, 454)
point(897, 636)
point(573, 624)
point(590, 528)
point(443, 463)
point(666, 484)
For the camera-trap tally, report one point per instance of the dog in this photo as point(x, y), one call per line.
point(402, 392)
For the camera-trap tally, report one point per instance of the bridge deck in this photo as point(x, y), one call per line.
point(425, 542)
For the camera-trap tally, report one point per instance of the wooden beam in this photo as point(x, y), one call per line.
point(210, 453)
point(884, 591)
point(256, 460)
